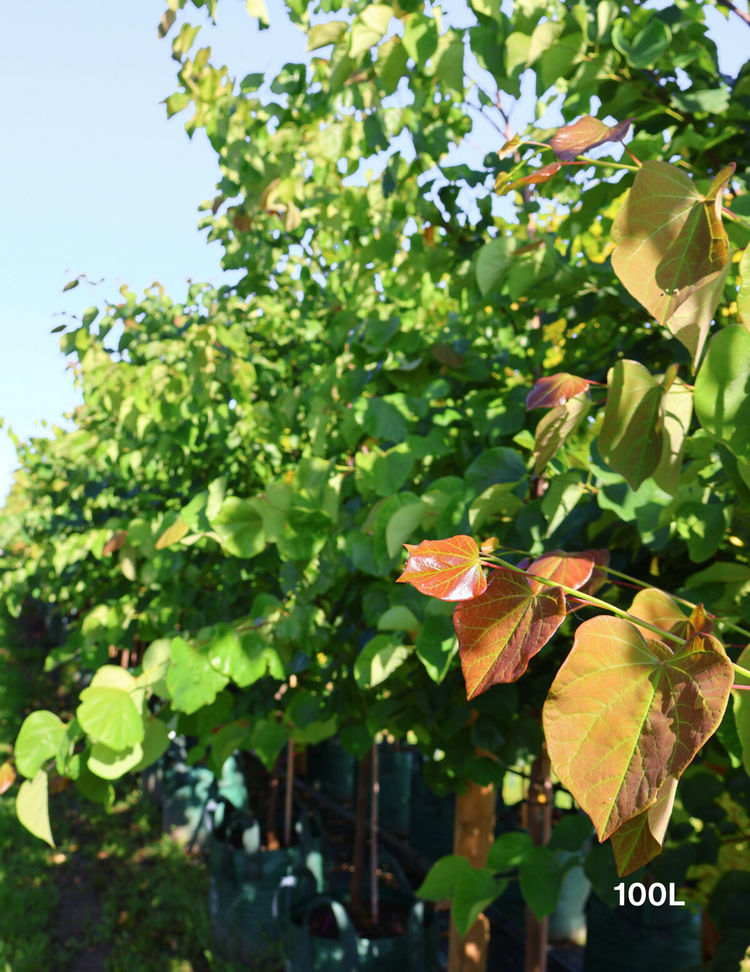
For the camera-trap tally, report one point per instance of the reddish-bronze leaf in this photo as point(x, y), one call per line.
point(447, 569)
point(585, 134)
point(499, 632)
point(555, 390)
point(115, 542)
point(624, 713)
point(640, 839)
point(571, 569)
point(536, 177)
point(7, 776)
point(599, 575)
point(659, 609)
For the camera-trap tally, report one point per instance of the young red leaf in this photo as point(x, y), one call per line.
point(555, 390)
point(573, 570)
point(624, 713)
point(499, 632)
point(640, 839)
point(598, 575)
point(447, 569)
point(534, 178)
point(659, 609)
point(7, 776)
point(585, 134)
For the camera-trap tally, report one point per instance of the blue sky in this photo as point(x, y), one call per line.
point(97, 182)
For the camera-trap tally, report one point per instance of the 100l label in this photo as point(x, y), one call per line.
point(657, 894)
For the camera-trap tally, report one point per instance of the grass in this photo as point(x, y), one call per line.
point(115, 895)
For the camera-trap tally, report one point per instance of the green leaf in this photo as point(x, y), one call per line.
point(560, 499)
point(267, 741)
point(498, 465)
point(109, 711)
point(192, 680)
point(649, 44)
point(437, 645)
point(420, 38)
point(702, 526)
point(496, 501)
point(631, 439)
point(401, 526)
point(321, 35)
point(239, 526)
point(390, 66)
point(380, 657)
point(743, 297)
point(624, 713)
point(156, 661)
point(676, 414)
point(570, 833)
point(155, 743)
point(368, 28)
point(442, 878)
point(449, 61)
point(398, 618)
point(741, 705)
point(257, 8)
point(713, 101)
point(475, 891)
point(508, 851)
point(173, 534)
point(94, 788)
point(38, 741)
point(541, 880)
point(111, 765)
point(493, 262)
point(32, 807)
point(664, 236)
point(722, 390)
point(556, 427)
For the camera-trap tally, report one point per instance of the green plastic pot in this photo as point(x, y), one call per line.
point(567, 923)
point(244, 882)
point(185, 796)
point(332, 770)
point(432, 820)
point(416, 951)
point(396, 770)
point(629, 938)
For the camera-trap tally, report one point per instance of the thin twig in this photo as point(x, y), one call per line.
point(740, 13)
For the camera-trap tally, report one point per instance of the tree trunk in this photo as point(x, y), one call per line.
point(360, 835)
point(539, 810)
point(374, 801)
point(288, 793)
point(472, 839)
point(272, 840)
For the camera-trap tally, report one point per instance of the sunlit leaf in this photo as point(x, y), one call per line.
point(640, 839)
point(573, 140)
point(321, 35)
point(38, 741)
point(659, 609)
point(571, 569)
point(109, 710)
point(379, 658)
point(676, 415)
point(537, 177)
point(691, 322)
point(499, 632)
point(666, 246)
point(631, 439)
point(191, 678)
point(624, 713)
point(7, 776)
point(173, 534)
point(510, 147)
point(555, 390)
point(743, 297)
point(741, 704)
point(722, 390)
point(447, 569)
point(556, 427)
point(32, 807)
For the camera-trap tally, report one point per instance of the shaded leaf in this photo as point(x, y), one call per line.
point(625, 713)
point(475, 891)
point(573, 140)
point(598, 575)
point(500, 631)
point(446, 569)
point(722, 390)
point(632, 439)
point(321, 35)
point(665, 241)
point(436, 646)
point(691, 322)
point(541, 880)
point(493, 261)
point(556, 427)
point(676, 415)
point(267, 741)
point(155, 743)
point(32, 807)
point(508, 850)
point(442, 878)
point(239, 526)
point(379, 659)
point(402, 524)
point(555, 390)
point(649, 44)
point(191, 679)
point(640, 839)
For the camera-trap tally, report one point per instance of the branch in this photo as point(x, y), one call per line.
point(740, 13)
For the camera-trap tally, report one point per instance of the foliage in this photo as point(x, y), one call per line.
point(247, 464)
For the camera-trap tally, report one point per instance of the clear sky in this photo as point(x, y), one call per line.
point(95, 180)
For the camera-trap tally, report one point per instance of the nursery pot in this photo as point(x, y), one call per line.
point(243, 883)
point(432, 818)
point(319, 936)
point(395, 776)
point(567, 923)
point(621, 939)
point(332, 770)
point(185, 795)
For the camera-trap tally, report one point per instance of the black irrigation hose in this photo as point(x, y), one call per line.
point(556, 957)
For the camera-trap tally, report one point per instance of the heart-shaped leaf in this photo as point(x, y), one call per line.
point(632, 437)
point(192, 679)
point(7, 776)
point(555, 390)
point(499, 632)
point(668, 237)
point(39, 740)
point(722, 399)
point(446, 569)
point(534, 178)
point(659, 609)
point(572, 570)
point(556, 427)
point(625, 713)
point(573, 140)
point(32, 807)
point(640, 839)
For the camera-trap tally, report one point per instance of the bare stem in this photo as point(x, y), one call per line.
point(740, 13)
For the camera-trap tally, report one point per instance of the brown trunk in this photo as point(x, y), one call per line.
point(472, 839)
point(374, 800)
point(709, 939)
point(539, 815)
point(288, 793)
point(360, 835)
point(272, 840)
